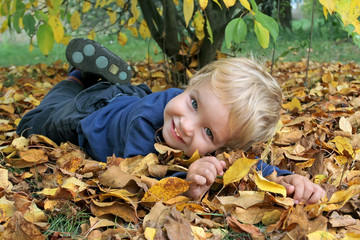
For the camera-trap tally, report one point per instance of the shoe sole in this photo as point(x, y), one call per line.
point(92, 57)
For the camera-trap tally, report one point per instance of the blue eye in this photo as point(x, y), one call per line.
point(194, 104)
point(208, 132)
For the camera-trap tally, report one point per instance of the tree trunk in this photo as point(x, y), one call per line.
point(285, 15)
point(164, 29)
point(168, 28)
point(218, 18)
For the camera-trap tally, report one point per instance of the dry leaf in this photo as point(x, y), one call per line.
point(238, 170)
point(166, 189)
point(266, 185)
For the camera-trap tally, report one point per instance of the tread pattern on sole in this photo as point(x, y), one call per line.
point(92, 57)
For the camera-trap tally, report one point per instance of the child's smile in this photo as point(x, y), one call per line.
point(196, 120)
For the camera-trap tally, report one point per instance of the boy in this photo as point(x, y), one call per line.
point(229, 103)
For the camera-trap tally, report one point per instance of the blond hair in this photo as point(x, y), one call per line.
point(251, 94)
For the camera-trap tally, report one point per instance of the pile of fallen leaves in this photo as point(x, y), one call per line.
point(317, 137)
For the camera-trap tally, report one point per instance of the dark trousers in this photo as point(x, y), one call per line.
point(60, 112)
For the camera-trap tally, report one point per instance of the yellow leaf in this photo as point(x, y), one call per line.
point(203, 4)
point(229, 3)
point(320, 235)
point(293, 106)
point(194, 157)
point(343, 144)
point(4, 26)
point(75, 20)
point(4, 180)
point(49, 191)
point(262, 34)
point(91, 34)
point(188, 10)
point(199, 23)
point(122, 38)
point(325, 12)
point(35, 214)
point(341, 159)
point(144, 30)
point(266, 185)
point(20, 143)
point(134, 31)
point(271, 217)
point(86, 6)
point(112, 15)
point(339, 198)
point(134, 10)
point(131, 21)
point(356, 24)
point(66, 39)
point(328, 4)
point(121, 3)
point(351, 236)
point(246, 4)
point(166, 189)
point(139, 165)
point(119, 193)
point(327, 77)
point(73, 184)
point(7, 207)
point(57, 27)
point(349, 10)
point(198, 232)
point(149, 233)
point(238, 170)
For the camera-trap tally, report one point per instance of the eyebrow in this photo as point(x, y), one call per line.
point(199, 100)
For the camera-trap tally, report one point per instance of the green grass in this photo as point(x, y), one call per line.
point(16, 52)
point(67, 225)
point(329, 44)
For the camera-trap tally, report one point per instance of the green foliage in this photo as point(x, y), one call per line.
point(235, 31)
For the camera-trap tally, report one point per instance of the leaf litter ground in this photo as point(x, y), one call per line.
point(318, 137)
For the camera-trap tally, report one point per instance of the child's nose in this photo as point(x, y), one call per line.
point(188, 126)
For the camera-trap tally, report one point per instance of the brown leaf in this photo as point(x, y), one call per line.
point(34, 156)
point(110, 178)
point(156, 216)
point(177, 227)
point(337, 220)
point(123, 210)
point(19, 229)
point(235, 225)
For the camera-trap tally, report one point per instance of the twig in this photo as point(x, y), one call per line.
point(311, 32)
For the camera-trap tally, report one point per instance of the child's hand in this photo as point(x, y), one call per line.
point(301, 188)
point(202, 174)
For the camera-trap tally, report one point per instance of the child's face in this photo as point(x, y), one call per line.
point(196, 120)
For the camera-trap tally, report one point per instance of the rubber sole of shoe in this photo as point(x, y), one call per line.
point(91, 57)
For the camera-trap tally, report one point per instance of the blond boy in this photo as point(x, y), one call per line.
point(229, 103)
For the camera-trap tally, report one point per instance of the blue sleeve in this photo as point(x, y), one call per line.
point(268, 169)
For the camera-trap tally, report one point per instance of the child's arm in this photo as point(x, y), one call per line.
point(202, 174)
point(301, 188)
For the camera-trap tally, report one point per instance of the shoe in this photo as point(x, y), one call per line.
point(93, 58)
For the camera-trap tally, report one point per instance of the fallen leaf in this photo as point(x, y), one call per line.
point(320, 235)
point(177, 227)
point(238, 170)
point(19, 229)
point(266, 185)
point(166, 189)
